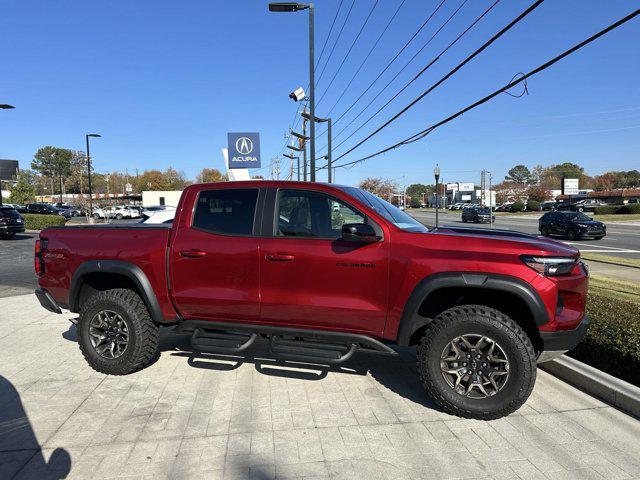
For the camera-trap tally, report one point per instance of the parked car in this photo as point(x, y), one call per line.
point(11, 222)
point(586, 205)
point(73, 211)
point(46, 209)
point(159, 216)
point(478, 215)
point(548, 205)
point(572, 225)
point(118, 212)
point(244, 260)
point(504, 207)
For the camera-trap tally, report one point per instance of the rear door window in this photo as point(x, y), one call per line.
point(226, 211)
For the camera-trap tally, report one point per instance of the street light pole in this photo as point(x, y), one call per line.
point(4, 106)
point(95, 135)
point(295, 7)
point(312, 99)
point(436, 174)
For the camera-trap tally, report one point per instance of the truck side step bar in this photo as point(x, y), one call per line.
point(309, 351)
point(313, 346)
point(214, 341)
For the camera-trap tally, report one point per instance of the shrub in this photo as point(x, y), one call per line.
point(629, 208)
point(612, 343)
point(517, 206)
point(533, 205)
point(39, 222)
point(607, 210)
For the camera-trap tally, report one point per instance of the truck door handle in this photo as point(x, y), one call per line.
point(279, 257)
point(192, 253)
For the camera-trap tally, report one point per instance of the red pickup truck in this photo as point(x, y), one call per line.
point(321, 271)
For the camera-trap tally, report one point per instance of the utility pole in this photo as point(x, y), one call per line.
point(490, 202)
point(303, 144)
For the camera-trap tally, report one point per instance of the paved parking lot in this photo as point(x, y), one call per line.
point(190, 416)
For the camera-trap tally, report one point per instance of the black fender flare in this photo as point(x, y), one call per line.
point(127, 269)
point(410, 321)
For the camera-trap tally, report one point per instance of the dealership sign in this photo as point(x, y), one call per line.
point(244, 150)
point(570, 186)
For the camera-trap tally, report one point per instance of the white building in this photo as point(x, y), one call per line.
point(151, 198)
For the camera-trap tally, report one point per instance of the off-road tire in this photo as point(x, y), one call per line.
point(477, 319)
point(143, 333)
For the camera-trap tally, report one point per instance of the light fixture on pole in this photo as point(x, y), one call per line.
point(296, 7)
point(328, 156)
point(436, 174)
point(94, 135)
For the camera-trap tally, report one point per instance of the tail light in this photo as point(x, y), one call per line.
point(38, 261)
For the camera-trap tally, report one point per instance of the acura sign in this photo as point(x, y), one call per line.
point(244, 150)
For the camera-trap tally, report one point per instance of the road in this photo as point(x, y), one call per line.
point(621, 240)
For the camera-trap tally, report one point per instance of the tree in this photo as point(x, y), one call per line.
point(210, 175)
point(538, 193)
point(520, 174)
point(24, 191)
point(607, 181)
point(416, 191)
point(381, 187)
point(52, 162)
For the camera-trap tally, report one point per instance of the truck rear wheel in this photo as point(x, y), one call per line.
point(116, 333)
point(476, 362)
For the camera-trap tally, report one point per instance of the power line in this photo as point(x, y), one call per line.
point(423, 70)
point(326, 40)
point(336, 42)
point(535, 71)
point(424, 24)
point(375, 44)
point(514, 22)
point(366, 20)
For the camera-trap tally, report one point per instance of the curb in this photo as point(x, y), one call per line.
point(606, 387)
point(609, 263)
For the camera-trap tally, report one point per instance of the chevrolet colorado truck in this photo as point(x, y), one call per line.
point(321, 271)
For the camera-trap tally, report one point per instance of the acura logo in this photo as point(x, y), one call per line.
point(244, 146)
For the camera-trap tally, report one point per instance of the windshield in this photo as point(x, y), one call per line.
point(483, 211)
point(393, 214)
point(578, 217)
point(9, 212)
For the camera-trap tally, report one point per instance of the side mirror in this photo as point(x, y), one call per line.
point(359, 233)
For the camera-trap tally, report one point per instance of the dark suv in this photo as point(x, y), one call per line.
point(46, 209)
point(11, 222)
point(573, 225)
point(478, 215)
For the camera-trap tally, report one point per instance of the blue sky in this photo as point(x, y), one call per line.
point(163, 82)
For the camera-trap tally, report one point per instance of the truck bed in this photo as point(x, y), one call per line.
point(143, 245)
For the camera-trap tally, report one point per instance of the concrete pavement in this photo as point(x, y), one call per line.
point(190, 416)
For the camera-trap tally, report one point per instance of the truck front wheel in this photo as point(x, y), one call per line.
point(116, 333)
point(476, 362)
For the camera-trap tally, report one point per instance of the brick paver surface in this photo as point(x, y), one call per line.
point(214, 417)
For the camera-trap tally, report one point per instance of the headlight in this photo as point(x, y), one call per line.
point(550, 266)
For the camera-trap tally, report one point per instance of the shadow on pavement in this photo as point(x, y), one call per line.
point(21, 455)
point(396, 373)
